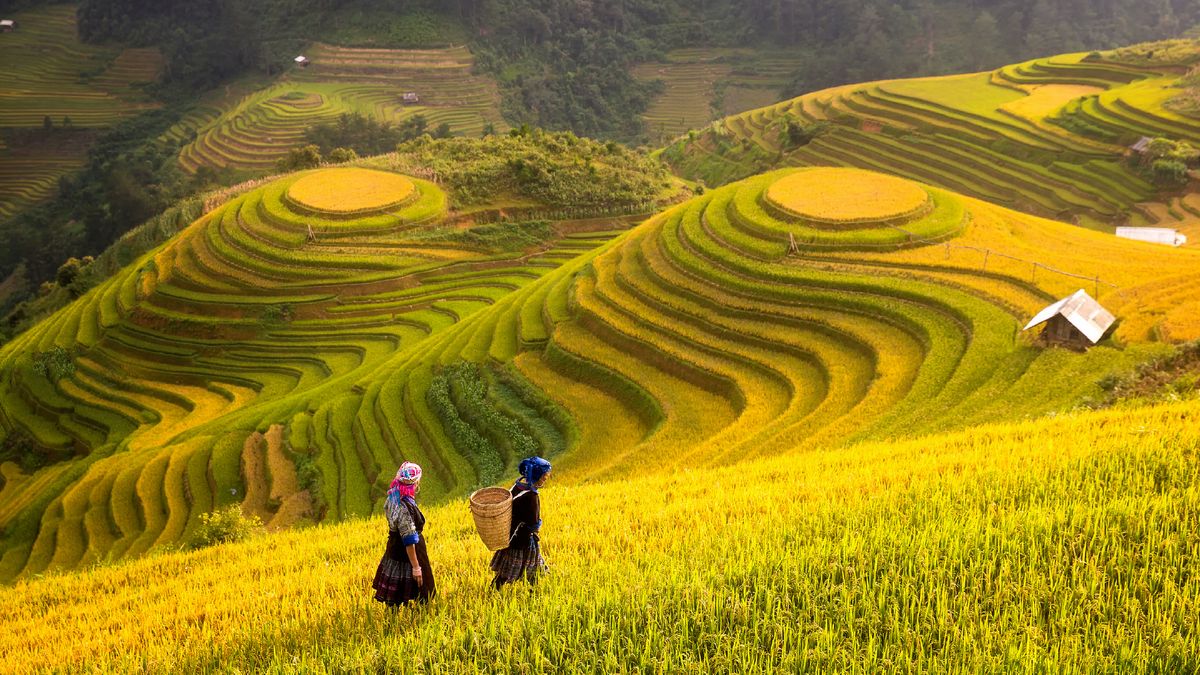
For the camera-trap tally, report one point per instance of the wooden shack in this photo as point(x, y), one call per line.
point(301, 61)
point(410, 97)
point(1076, 321)
point(1142, 146)
point(7, 25)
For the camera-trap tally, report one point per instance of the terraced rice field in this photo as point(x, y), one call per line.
point(715, 331)
point(26, 179)
point(988, 135)
point(702, 84)
point(257, 130)
point(48, 72)
point(269, 308)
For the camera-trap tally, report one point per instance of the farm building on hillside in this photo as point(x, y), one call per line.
point(1154, 235)
point(1075, 321)
point(410, 97)
point(1142, 146)
point(7, 25)
point(301, 61)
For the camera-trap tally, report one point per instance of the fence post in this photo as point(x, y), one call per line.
point(986, 253)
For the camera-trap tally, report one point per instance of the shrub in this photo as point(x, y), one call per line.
point(54, 364)
point(307, 157)
point(224, 526)
point(1169, 172)
point(342, 155)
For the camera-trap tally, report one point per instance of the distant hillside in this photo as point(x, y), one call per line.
point(259, 129)
point(703, 84)
point(1050, 136)
point(55, 92)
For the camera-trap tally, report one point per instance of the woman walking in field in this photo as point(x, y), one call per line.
point(404, 573)
point(523, 557)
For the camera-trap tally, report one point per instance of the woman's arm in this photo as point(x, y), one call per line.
point(418, 573)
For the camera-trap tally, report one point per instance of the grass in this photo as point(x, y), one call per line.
point(881, 556)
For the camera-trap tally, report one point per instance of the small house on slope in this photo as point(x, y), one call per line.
point(1075, 321)
point(1154, 235)
point(301, 61)
point(7, 25)
point(410, 97)
point(1142, 146)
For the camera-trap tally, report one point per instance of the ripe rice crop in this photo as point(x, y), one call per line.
point(351, 190)
point(1052, 545)
point(846, 196)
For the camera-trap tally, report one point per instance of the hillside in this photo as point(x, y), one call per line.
point(1057, 544)
point(1048, 136)
point(268, 310)
point(257, 130)
point(49, 74)
point(703, 84)
point(700, 337)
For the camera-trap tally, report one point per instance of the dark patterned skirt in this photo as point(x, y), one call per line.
point(394, 582)
point(512, 563)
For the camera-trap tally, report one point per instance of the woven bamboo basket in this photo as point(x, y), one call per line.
point(491, 507)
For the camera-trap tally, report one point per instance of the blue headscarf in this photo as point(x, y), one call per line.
point(532, 469)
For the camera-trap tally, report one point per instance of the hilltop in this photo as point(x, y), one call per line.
point(255, 361)
point(1051, 136)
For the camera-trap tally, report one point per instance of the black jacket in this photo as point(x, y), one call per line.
point(526, 517)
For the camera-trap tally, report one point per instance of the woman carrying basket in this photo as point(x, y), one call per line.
point(404, 573)
point(523, 557)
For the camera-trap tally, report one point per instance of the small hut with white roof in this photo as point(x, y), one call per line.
point(1075, 321)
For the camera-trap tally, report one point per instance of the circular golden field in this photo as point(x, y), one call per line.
point(836, 195)
point(350, 190)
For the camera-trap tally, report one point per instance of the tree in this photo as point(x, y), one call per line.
point(342, 155)
point(47, 123)
point(306, 157)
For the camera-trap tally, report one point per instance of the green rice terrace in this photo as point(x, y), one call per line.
point(260, 128)
point(702, 84)
point(49, 74)
point(1052, 136)
point(287, 350)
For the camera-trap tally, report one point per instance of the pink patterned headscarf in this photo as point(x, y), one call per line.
point(405, 482)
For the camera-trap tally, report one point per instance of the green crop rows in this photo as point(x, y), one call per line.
point(712, 331)
point(242, 322)
point(257, 130)
point(49, 73)
point(973, 134)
